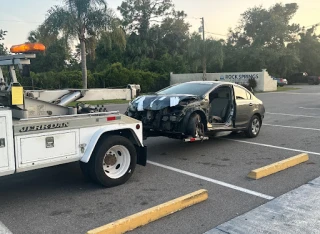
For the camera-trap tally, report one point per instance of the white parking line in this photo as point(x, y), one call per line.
point(309, 108)
point(289, 93)
point(307, 116)
point(273, 146)
point(213, 181)
point(283, 126)
point(4, 229)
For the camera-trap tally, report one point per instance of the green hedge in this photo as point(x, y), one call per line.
point(114, 76)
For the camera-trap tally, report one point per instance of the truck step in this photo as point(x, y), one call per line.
point(192, 139)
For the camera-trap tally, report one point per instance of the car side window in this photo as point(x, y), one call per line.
point(240, 93)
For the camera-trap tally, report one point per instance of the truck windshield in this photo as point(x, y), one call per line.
point(197, 89)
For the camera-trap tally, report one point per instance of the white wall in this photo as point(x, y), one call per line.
point(106, 94)
point(264, 80)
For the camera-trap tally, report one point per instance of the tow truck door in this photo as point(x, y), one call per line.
point(7, 161)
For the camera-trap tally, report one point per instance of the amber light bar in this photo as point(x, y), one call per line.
point(27, 47)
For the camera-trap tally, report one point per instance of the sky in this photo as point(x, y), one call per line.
point(219, 15)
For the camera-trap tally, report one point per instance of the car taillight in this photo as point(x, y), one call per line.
point(319, 78)
point(281, 80)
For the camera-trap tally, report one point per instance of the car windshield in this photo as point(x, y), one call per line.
point(197, 89)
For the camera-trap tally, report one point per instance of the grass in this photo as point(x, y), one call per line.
point(280, 89)
point(101, 102)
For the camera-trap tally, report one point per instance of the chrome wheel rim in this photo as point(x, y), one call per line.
point(255, 127)
point(116, 161)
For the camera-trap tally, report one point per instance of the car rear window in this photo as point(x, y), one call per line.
point(188, 88)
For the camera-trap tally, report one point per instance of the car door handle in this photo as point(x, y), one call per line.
point(250, 104)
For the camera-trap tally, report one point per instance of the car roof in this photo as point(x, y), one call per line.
point(210, 82)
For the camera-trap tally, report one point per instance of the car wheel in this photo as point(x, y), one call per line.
point(113, 161)
point(195, 127)
point(254, 127)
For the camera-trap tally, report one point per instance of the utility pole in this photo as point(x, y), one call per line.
point(204, 60)
point(202, 22)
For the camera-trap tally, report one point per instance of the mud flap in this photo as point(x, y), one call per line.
point(141, 155)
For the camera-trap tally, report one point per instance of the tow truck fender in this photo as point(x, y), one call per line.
point(96, 136)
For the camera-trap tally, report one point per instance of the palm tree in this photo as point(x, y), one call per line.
point(81, 19)
point(212, 56)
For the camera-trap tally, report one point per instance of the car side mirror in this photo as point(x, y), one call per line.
point(26, 71)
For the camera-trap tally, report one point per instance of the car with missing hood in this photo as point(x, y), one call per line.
point(198, 108)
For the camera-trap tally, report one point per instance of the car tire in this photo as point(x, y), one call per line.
point(195, 126)
point(253, 127)
point(122, 158)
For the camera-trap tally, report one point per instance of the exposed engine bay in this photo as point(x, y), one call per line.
point(163, 112)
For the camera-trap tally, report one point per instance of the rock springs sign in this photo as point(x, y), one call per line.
point(239, 76)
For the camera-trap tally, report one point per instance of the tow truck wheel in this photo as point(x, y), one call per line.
point(113, 162)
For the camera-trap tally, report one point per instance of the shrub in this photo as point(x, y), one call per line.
point(252, 83)
point(114, 76)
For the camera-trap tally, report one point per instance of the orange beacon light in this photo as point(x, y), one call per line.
point(27, 47)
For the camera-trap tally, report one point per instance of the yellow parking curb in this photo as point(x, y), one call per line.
point(278, 166)
point(144, 217)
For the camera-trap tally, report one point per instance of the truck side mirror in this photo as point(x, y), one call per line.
point(26, 71)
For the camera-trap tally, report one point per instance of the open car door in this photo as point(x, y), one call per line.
point(222, 107)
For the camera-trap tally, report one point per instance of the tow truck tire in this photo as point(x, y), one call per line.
point(113, 161)
point(253, 127)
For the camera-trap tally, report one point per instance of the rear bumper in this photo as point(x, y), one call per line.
point(142, 155)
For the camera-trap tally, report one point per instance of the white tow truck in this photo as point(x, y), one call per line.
point(37, 134)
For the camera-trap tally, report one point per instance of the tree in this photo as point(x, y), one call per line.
point(79, 19)
point(262, 27)
point(110, 46)
point(175, 32)
point(309, 51)
point(57, 50)
point(3, 49)
point(139, 14)
point(44, 35)
point(262, 39)
point(212, 52)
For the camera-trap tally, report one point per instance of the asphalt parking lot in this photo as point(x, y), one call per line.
point(60, 200)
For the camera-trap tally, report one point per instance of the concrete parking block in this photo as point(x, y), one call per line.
point(278, 166)
point(144, 217)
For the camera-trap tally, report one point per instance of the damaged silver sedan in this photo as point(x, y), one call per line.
point(198, 108)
